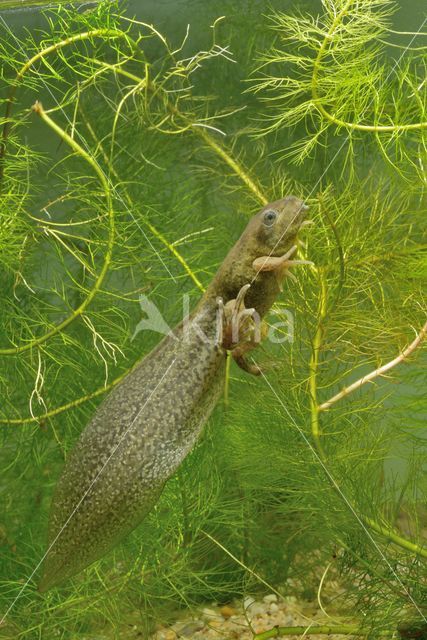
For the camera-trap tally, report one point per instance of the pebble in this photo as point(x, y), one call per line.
point(271, 597)
point(228, 621)
point(190, 628)
point(256, 609)
point(216, 623)
point(226, 611)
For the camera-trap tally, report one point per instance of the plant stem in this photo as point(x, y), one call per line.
point(37, 108)
point(237, 168)
point(384, 531)
point(377, 372)
point(390, 535)
point(148, 224)
point(318, 100)
point(24, 4)
point(314, 364)
point(96, 33)
point(68, 405)
point(220, 150)
point(227, 379)
point(339, 629)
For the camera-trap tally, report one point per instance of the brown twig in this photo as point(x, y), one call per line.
point(377, 372)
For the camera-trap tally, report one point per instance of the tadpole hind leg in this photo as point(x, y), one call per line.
point(249, 367)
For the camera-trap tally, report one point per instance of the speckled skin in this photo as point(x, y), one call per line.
point(147, 425)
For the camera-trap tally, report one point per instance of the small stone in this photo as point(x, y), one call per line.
point(188, 629)
point(271, 597)
point(226, 611)
point(216, 623)
point(257, 609)
point(248, 602)
point(273, 607)
point(262, 624)
point(170, 635)
point(209, 613)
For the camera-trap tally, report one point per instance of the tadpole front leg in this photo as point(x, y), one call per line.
point(241, 330)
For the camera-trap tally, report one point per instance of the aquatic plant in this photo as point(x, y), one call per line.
point(117, 180)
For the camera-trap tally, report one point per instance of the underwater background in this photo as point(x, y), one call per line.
point(215, 117)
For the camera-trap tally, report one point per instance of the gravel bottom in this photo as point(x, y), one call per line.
point(231, 622)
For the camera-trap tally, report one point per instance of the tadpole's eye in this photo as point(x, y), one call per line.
point(269, 217)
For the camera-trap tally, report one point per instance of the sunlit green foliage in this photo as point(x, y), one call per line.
point(332, 73)
point(139, 191)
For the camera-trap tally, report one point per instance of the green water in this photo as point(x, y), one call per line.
point(252, 483)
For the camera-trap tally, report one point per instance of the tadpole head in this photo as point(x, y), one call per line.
point(279, 222)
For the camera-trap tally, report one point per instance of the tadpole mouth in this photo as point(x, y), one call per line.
point(299, 216)
point(302, 212)
point(290, 231)
point(298, 210)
